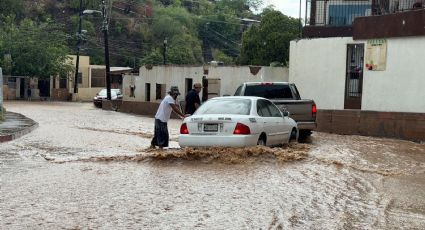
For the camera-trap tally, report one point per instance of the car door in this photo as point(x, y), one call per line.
point(280, 129)
point(267, 121)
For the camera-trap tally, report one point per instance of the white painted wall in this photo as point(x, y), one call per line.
point(231, 78)
point(169, 75)
point(401, 87)
point(317, 67)
point(87, 94)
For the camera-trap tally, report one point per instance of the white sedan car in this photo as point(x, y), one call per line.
point(237, 122)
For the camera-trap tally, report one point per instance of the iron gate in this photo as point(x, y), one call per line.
point(354, 76)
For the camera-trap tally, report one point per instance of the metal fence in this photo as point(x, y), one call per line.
point(380, 7)
point(343, 12)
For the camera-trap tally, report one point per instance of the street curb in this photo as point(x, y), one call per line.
point(19, 132)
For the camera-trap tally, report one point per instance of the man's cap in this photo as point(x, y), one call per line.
point(174, 90)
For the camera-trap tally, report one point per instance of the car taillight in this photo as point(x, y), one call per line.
point(313, 110)
point(183, 129)
point(241, 129)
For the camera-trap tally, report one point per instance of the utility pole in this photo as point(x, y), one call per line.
point(165, 51)
point(300, 22)
point(80, 14)
point(105, 34)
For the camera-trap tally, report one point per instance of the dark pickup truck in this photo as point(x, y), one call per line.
point(287, 98)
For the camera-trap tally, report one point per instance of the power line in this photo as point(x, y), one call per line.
point(223, 36)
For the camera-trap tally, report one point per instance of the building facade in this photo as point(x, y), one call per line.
point(142, 93)
point(366, 76)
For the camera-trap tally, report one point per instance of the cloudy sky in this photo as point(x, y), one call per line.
point(288, 7)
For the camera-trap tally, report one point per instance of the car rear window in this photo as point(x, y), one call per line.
point(225, 106)
point(269, 91)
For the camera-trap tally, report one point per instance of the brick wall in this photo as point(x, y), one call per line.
point(408, 126)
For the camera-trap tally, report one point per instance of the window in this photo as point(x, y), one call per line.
point(98, 78)
point(238, 91)
point(275, 112)
point(80, 78)
point(11, 81)
point(269, 91)
point(295, 92)
point(226, 106)
point(62, 82)
point(160, 91)
point(262, 109)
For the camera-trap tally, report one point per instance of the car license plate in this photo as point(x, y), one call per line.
point(210, 127)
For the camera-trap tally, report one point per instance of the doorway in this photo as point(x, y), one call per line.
point(188, 82)
point(354, 76)
point(44, 87)
point(22, 88)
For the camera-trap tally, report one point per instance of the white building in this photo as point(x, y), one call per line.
point(367, 78)
point(143, 92)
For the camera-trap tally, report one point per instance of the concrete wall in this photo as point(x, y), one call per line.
point(409, 126)
point(230, 78)
point(1, 90)
point(169, 75)
point(87, 94)
point(83, 67)
point(400, 88)
point(317, 67)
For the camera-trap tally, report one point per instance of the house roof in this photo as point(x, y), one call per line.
point(112, 69)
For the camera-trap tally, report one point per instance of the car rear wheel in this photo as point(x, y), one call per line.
point(304, 134)
point(261, 140)
point(293, 137)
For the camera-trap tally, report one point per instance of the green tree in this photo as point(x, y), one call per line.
point(154, 58)
point(11, 7)
point(221, 56)
point(88, 4)
point(36, 49)
point(175, 24)
point(241, 8)
point(269, 42)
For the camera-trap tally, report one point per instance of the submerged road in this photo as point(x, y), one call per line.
point(85, 168)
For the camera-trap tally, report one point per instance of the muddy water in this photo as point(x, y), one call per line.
point(81, 169)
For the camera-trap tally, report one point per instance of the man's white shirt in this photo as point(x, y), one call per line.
point(164, 110)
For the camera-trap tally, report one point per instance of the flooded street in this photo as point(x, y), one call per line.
point(85, 168)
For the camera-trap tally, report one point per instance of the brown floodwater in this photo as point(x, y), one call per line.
point(85, 168)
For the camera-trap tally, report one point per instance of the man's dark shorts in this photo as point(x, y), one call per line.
point(160, 137)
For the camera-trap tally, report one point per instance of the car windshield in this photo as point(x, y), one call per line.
point(225, 106)
point(269, 91)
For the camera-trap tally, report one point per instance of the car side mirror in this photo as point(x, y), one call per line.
point(285, 113)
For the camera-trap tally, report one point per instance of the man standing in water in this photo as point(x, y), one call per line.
point(192, 99)
point(162, 116)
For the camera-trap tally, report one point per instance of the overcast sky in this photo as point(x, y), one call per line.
point(288, 7)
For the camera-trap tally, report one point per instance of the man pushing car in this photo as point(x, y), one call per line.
point(168, 104)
